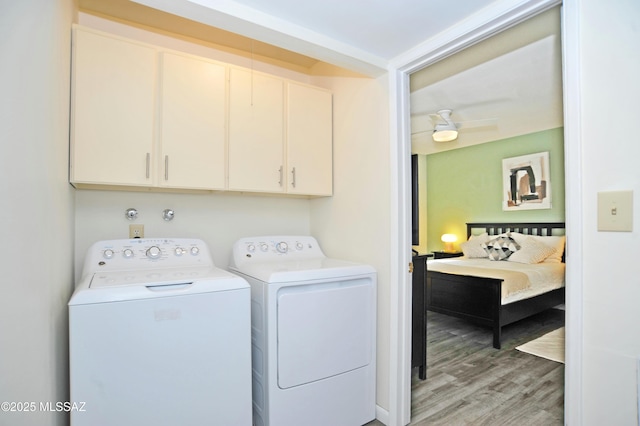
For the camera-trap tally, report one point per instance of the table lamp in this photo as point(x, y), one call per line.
point(448, 240)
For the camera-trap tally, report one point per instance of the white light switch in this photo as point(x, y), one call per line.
point(615, 211)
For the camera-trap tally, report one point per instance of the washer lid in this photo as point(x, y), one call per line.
point(302, 270)
point(115, 286)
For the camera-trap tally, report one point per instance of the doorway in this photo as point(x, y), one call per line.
point(431, 59)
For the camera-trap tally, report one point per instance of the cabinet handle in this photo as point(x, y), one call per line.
point(148, 163)
point(166, 167)
point(293, 175)
point(280, 172)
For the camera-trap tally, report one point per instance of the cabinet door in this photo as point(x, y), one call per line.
point(255, 132)
point(309, 141)
point(193, 116)
point(113, 108)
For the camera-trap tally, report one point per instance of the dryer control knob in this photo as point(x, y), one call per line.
point(299, 246)
point(282, 247)
point(195, 251)
point(127, 253)
point(154, 252)
point(264, 247)
point(251, 248)
point(107, 254)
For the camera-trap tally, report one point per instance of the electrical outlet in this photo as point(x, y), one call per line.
point(136, 231)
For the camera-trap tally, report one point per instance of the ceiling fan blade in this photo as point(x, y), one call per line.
point(422, 123)
point(487, 122)
point(421, 132)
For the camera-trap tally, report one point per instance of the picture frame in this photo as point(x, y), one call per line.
point(526, 182)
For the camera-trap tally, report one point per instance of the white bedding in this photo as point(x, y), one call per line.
point(540, 277)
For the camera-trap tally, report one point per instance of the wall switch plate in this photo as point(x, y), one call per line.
point(136, 231)
point(615, 211)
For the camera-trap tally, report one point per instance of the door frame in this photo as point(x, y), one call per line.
point(491, 21)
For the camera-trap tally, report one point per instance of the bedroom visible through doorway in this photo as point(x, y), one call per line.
point(488, 97)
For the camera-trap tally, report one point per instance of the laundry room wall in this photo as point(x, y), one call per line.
point(218, 219)
point(37, 210)
point(355, 223)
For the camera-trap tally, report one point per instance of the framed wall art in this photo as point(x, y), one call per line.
point(526, 182)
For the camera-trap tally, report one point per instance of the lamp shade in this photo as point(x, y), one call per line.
point(448, 240)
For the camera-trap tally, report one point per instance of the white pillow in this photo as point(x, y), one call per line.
point(473, 247)
point(531, 251)
point(483, 238)
point(554, 241)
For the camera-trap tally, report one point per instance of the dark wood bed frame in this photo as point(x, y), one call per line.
point(479, 299)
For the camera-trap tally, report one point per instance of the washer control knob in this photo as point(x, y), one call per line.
point(179, 251)
point(251, 248)
point(264, 246)
point(154, 252)
point(107, 254)
point(299, 246)
point(282, 247)
point(195, 251)
point(127, 253)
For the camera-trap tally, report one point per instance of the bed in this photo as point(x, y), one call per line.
point(477, 291)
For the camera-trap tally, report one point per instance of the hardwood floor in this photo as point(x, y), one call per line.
point(471, 383)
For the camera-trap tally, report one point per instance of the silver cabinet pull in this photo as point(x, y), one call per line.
point(166, 167)
point(148, 163)
point(280, 172)
point(293, 175)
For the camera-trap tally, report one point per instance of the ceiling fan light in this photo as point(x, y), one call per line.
point(446, 135)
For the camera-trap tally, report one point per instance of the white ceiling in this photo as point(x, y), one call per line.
point(360, 35)
point(511, 83)
point(383, 29)
point(514, 79)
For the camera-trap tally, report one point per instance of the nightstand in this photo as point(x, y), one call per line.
point(446, 254)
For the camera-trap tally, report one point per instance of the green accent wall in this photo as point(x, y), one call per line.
point(465, 185)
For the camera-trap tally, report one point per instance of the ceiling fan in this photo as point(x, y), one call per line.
point(445, 130)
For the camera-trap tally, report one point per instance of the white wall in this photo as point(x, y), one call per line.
point(355, 223)
point(219, 219)
point(36, 253)
point(610, 65)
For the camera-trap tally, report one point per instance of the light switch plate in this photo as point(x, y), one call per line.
point(615, 211)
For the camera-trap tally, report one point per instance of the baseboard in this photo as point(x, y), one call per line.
point(382, 415)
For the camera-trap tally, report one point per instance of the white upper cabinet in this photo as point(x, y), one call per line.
point(256, 132)
point(146, 116)
point(309, 140)
point(113, 110)
point(193, 118)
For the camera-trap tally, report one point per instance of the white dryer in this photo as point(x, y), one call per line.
point(313, 333)
point(158, 335)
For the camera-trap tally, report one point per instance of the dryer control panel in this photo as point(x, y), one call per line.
point(272, 248)
point(146, 253)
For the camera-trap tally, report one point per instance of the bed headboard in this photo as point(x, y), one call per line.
point(529, 228)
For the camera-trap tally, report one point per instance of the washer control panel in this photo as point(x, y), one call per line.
point(271, 248)
point(146, 253)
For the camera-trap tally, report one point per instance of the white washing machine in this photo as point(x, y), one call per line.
point(158, 335)
point(313, 333)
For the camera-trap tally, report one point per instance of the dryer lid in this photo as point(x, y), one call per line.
point(322, 268)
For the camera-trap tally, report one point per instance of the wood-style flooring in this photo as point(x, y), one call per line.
point(471, 383)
